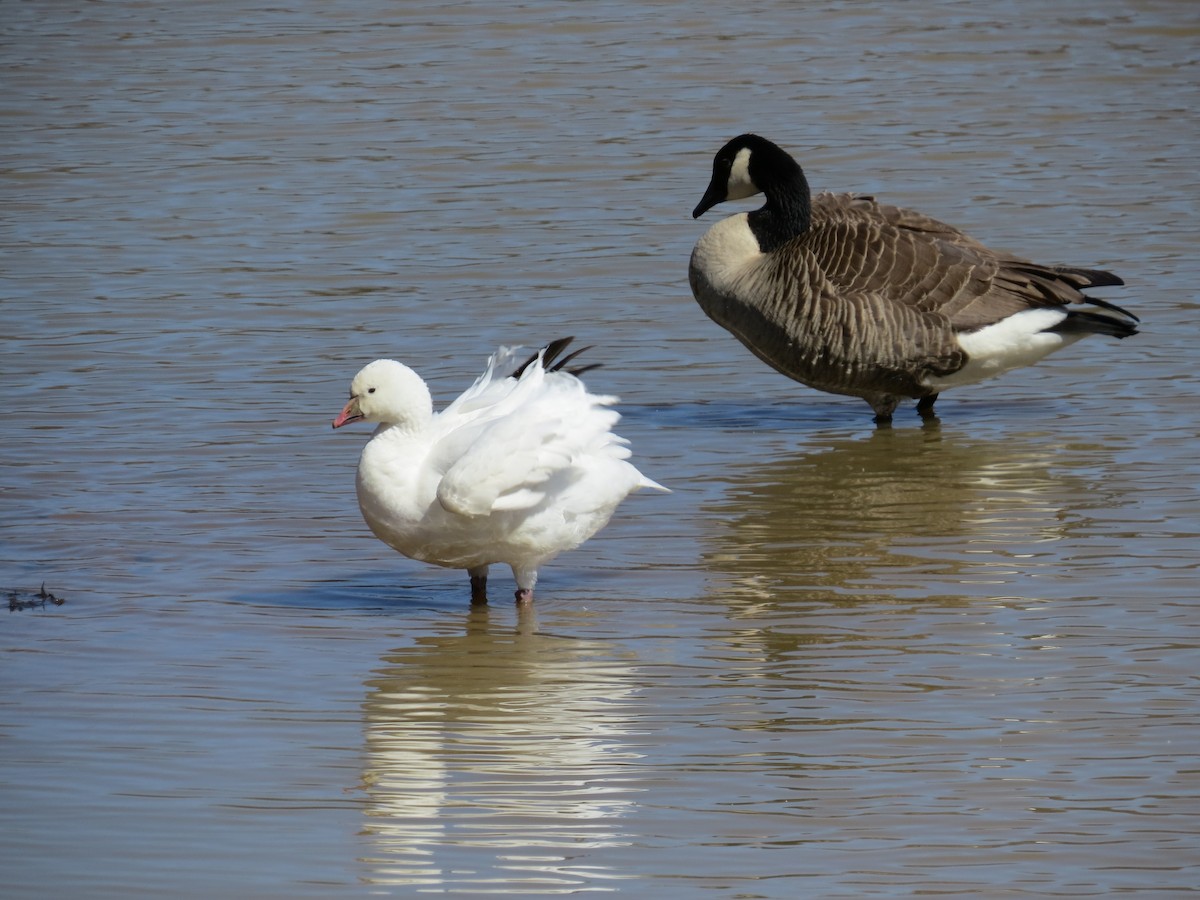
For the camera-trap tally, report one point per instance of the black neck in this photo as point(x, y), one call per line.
point(788, 210)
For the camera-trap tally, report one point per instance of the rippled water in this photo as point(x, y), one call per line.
point(838, 661)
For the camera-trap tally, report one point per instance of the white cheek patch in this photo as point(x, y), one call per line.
point(740, 183)
point(1020, 340)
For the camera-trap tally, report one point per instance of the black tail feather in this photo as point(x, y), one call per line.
point(1081, 321)
point(1112, 307)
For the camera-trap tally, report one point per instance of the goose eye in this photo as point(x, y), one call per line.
point(370, 390)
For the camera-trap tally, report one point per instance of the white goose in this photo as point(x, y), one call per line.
point(519, 468)
point(851, 296)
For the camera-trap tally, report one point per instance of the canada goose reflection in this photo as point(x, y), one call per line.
point(496, 759)
point(911, 514)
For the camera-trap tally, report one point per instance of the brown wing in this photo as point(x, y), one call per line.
point(902, 258)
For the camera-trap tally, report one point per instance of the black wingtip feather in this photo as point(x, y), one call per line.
point(1091, 277)
point(550, 353)
point(561, 365)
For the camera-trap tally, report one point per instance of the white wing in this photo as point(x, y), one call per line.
point(538, 431)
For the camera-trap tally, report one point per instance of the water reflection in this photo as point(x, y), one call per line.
point(904, 513)
point(496, 760)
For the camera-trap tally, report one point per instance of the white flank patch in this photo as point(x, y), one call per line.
point(1020, 340)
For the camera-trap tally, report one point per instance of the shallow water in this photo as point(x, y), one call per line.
point(838, 661)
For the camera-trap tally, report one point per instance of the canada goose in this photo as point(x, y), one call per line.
point(855, 297)
point(522, 466)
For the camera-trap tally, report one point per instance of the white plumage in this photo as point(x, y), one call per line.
point(522, 466)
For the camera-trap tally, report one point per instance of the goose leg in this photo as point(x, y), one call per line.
point(526, 579)
point(884, 405)
point(925, 406)
point(478, 585)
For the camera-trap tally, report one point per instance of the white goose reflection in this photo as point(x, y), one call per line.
point(498, 761)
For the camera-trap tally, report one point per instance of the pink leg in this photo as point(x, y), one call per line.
point(526, 578)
